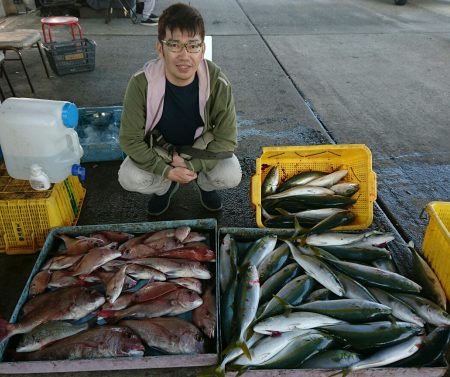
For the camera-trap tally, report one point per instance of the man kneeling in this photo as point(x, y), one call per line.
point(179, 121)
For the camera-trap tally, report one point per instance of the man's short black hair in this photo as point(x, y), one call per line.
point(183, 17)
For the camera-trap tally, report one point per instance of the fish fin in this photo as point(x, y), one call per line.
point(229, 348)
point(243, 346)
point(282, 211)
point(6, 329)
point(392, 319)
point(287, 307)
point(250, 331)
point(301, 240)
point(265, 214)
point(215, 370)
point(241, 371)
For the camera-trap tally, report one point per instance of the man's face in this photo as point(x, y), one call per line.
point(182, 66)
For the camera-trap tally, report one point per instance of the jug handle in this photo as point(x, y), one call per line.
point(74, 141)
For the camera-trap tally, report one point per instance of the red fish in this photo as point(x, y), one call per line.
point(190, 253)
point(174, 303)
point(102, 341)
point(204, 317)
point(39, 283)
point(65, 303)
point(170, 335)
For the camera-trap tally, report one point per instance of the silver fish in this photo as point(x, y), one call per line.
point(270, 184)
point(301, 190)
point(319, 271)
point(301, 178)
point(228, 260)
point(247, 304)
point(293, 321)
point(259, 250)
point(267, 347)
point(345, 188)
point(400, 310)
point(425, 276)
point(329, 179)
point(426, 309)
point(390, 355)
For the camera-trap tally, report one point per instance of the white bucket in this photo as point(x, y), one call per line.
point(35, 131)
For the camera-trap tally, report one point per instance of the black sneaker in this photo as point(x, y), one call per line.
point(159, 204)
point(149, 22)
point(210, 200)
point(154, 17)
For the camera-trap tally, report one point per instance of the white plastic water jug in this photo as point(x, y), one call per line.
point(36, 131)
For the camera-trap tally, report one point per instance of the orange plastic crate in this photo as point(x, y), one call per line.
point(26, 215)
point(291, 160)
point(436, 243)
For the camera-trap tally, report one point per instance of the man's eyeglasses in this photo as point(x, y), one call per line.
point(177, 46)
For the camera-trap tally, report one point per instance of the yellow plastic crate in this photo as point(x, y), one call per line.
point(436, 243)
point(26, 215)
point(356, 158)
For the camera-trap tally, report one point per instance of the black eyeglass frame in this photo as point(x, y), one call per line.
point(182, 45)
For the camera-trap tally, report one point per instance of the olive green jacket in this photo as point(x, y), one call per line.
point(142, 109)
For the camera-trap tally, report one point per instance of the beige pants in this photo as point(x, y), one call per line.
point(226, 174)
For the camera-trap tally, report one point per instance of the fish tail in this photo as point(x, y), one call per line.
point(286, 306)
point(299, 230)
point(6, 329)
point(241, 371)
point(216, 370)
point(243, 346)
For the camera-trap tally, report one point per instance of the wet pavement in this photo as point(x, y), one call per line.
point(302, 73)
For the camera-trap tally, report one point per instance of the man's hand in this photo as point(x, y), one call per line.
point(177, 161)
point(181, 175)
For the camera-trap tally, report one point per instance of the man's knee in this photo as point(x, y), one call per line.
point(226, 174)
point(131, 178)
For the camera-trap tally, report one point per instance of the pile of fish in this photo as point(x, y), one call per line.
point(331, 300)
point(118, 294)
point(313, 199)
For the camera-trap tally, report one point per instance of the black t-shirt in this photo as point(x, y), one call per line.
point(180, 117)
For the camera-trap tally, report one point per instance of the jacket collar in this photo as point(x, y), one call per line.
point(156, 77)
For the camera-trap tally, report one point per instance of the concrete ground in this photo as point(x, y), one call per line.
point(303, 72)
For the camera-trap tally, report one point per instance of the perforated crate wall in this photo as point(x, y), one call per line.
point(436, 243)
point(26, 215)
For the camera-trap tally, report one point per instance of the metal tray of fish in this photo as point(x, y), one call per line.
point(244, 239)
point(151, 358)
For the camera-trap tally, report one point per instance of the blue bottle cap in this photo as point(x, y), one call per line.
point(79, 171)
point(69, 115)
